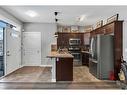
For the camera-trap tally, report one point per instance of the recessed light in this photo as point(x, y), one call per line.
point(31, 13)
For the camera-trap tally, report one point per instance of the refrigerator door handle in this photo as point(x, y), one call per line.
point(91, 47)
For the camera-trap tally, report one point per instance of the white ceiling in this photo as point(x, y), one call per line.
point(67, 15)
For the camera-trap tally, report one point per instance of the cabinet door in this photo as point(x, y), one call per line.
point(109, 28)
point(85, 59)
point(64, 69)
point(58, 69)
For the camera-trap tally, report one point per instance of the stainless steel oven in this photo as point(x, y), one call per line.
point(77, 56)
point(74, 41)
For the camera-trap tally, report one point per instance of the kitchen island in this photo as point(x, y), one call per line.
point(62, 66)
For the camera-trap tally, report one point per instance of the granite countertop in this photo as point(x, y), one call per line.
point(55, 54)
point(85, 52)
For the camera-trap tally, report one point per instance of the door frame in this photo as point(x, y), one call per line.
point(4, 60)
point(4, 46)
point(5, 53)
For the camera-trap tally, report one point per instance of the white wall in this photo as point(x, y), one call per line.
point(47, 37)
point(5, 16)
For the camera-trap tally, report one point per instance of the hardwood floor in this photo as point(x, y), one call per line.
point(43, 74)
point(29, 74)
point(40, 78)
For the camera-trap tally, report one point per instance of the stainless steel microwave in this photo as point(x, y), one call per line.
point(74, 41)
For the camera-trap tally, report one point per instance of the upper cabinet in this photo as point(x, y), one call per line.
point(106, 29)
point(87, 38)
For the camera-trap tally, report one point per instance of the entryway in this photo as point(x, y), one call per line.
point(10, 49)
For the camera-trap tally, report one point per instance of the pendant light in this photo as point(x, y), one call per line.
point(56, 21)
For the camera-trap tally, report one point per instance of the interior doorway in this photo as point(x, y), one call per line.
point(32, 48)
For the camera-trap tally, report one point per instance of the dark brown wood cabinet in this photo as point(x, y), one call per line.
point(85, 59)
point(118, 40)
point(63, 38)
point(64, 69)
point(87, 38)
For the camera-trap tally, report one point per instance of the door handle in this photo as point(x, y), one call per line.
point(8, 53)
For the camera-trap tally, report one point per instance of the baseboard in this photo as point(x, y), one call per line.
point(45, 65)
point(39, 65)
point(53, 80)
point(30, 65)
point(21, 66)
point(2, 77)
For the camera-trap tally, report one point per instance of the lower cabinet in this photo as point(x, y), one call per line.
point(64, 69)
point(85, 59)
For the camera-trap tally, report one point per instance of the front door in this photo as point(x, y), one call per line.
point(12, 50)
point(32, 48)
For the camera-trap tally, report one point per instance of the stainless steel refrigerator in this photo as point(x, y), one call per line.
point(102, 56)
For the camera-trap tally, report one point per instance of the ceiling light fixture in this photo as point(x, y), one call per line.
point(56, 20)
point(81, 18)
point(56, 13)
point(31, 13)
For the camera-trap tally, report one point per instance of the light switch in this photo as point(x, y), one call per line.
point(57, 59)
